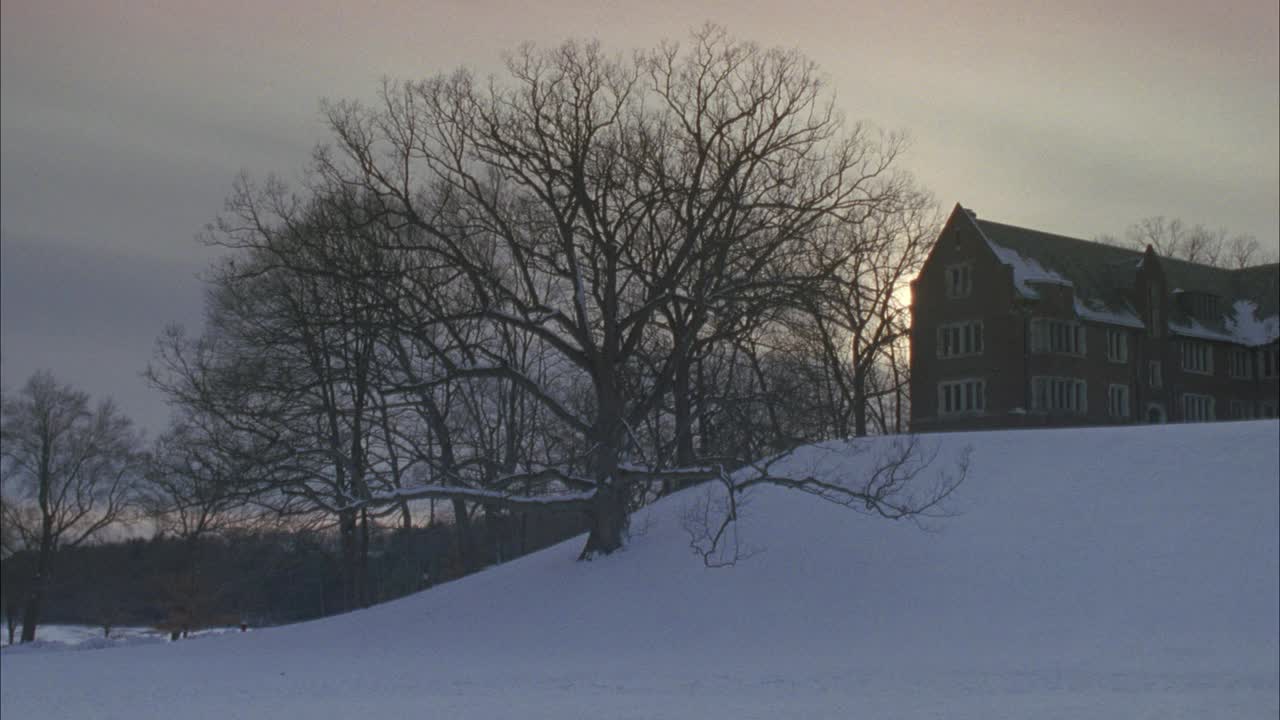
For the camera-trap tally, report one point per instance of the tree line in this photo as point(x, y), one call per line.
point(1174, 238)
point(247, 576)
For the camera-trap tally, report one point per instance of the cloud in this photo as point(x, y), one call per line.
point(91, 316)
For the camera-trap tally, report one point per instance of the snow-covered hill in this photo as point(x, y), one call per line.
point(1106, 573)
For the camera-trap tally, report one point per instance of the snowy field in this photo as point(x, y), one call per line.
point(1110, 573)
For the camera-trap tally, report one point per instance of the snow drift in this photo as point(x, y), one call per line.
point(1101, 573)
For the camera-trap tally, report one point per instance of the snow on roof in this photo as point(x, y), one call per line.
point(1249, 329)
point(1193, 328)
point(1242, 328)
point(1098, 312)
point(1025, 270)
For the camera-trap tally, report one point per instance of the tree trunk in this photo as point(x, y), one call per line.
point(681, 389)
point(859, 403)
point(31, 613)
point(39, 582)
point(608, 514)
point(462, 533)
point(897, 390)
point(706, 426)
point(349, 552)
point(363, 597)
point(609, 522)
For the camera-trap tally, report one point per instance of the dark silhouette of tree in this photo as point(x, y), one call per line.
point(624, 214)
point(1171, 237)
point(68, 473)
point(520, 296)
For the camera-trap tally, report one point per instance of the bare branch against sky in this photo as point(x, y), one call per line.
point(124, 125)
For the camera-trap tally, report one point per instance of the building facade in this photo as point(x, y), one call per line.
point(1013, 327)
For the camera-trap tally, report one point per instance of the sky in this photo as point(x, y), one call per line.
point(125, 122)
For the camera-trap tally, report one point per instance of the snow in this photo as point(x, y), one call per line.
point(414, 492)
point(1244, 327)
point(1099, 313)
point(1025, 270)
point(1097, 573)
point(1194, 328)
point(89, 637)
point(1251, 330)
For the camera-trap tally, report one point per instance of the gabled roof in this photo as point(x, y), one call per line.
point(1103, 277)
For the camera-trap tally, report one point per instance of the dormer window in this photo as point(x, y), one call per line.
point(1205, 307)
point(959, 280)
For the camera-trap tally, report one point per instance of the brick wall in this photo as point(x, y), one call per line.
point(1007, 363)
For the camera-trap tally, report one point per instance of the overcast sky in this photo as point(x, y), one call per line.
point(125, 123)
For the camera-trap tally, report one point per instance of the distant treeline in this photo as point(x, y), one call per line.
point(254, 577)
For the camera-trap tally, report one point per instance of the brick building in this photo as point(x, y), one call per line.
point(1014, 327)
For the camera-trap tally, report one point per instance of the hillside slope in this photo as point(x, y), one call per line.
point(1103, 573)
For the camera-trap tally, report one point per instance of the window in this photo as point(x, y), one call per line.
point(959, 280)
point(1058, 394)
point(1268, 410)
point(1118, 401)
point(1057, 336)
point(1241, 363)
point(1197, 357)
point(959, 339)
point(1117, 346)
point(1201, 306)
point(1153, 373)
point(1241, 410)
point(1267, 363)
point(962, 396)
point(1197, 408)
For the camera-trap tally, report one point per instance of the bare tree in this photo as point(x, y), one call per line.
point(549, 291)
point(857, 323)
point(190, 491)
point(620, 213)
point(69, 471)
point(1171, 237)
point(190, 486)
point(287, 366)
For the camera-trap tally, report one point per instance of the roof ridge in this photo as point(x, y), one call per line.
point(1263, 266)
point(1109, 246)
point(1131, 251)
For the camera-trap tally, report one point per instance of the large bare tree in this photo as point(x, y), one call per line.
point(526, 289)
point(620, 212)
